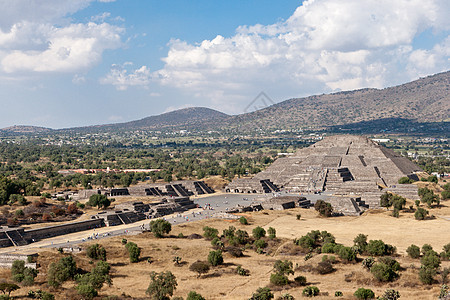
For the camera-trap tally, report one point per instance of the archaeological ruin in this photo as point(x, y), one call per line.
point(354, 170)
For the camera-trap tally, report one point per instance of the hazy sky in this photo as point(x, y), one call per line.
point(66, 63)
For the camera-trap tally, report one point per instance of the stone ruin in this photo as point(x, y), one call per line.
point(183, 188)
point(131, 212)
point(285, 202)
point(347, 166)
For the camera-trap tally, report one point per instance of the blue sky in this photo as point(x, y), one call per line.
point(66, 63)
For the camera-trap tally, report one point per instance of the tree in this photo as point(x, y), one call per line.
point(310, 291)
point(100, 201)
point(262, 294)
point(283, 267)
point(325, 209)
point(61, 271)
point(258, 232)
point(86, 291)
point(431, 260)
point(272, 232)
point(426, 275)
point(347, 254)
point(133, 251)
point(361, 242)
point(96, 251)
point(383, 272)
point(7, 287)
point(199, 267)
point(194, 296)
point(413, 251)
point(161, 285)
point(160, 227)
point(420, 213)
point(278, 279)
point(215, 258)
point(243, 220)
point(210, 233)
point(379, 248)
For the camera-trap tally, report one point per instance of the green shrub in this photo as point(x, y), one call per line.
point(325, 209)
point(363, 293)
point(96, 251)
point(390, 294)
point(445, 254)
point(258, 233)
point(160, 227)
point(420, 213)
point(278, 279)
point(199, 267)
point(305, 242)
point(347, 254)
point(210, 233)
point(161, 285)
point(426, 248)
point(383, 272)
point(241, 237)
point(368, 262)
point(124, 241)
point(389, 261)
point(300, 280)
point(262, 294)
point(61, 271)
point(379, 248)
point(215, 241)
point(310, 291)
point(133, 252)
point(272, 232)
point(86, 291)
point(338, 294)
point(283, 267)
point(324, 267)
point(260, 244)
point(328, 248)
point(431, 260)
point(215, 258)
point(426, 275)
point(194, 296)
point(413, 251)
point(361, 241)
point(241, 271)
point(286, 297)
point(243, 221)
point(405, 180)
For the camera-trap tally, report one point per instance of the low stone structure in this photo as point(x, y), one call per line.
point(183, 188)
point(285, 202)
point(18, 236)
point(7, 260)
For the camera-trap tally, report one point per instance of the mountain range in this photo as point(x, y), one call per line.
point(426, 100)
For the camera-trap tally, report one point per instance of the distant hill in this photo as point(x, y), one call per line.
point(423, 100)
point(186, 118)
point(192, 116)
point(23, 129)
point(423, 103)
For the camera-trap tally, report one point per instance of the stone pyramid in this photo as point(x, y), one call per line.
point(346, 165)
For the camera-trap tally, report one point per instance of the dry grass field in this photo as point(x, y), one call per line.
point(222, 282)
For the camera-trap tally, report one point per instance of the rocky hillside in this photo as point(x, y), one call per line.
point(423, 100)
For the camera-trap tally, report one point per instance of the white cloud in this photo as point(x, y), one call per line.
point(39, 37)
point(121, 77)
point(326, 45)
